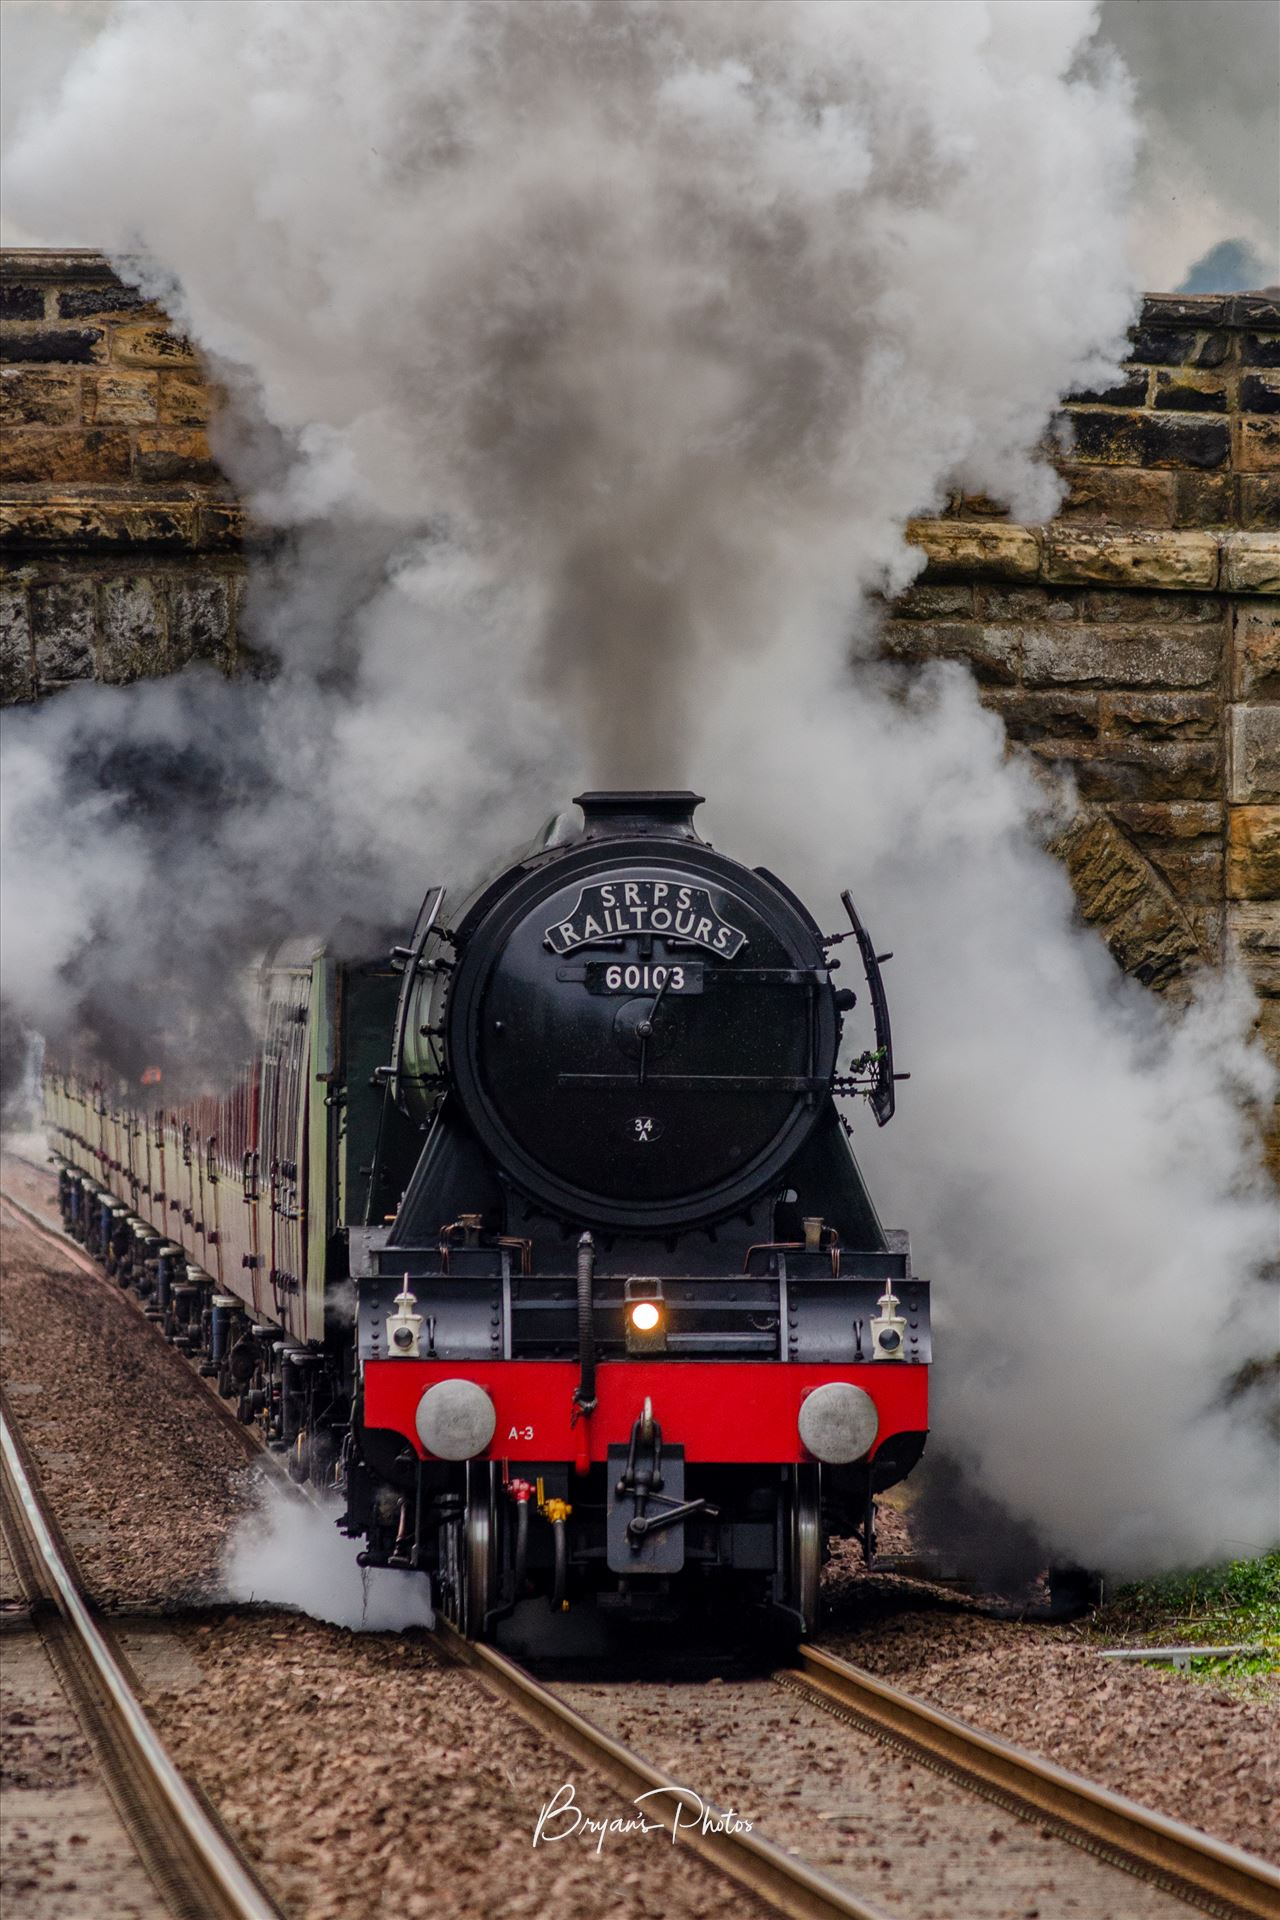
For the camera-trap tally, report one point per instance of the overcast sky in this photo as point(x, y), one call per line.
point(1208, 80)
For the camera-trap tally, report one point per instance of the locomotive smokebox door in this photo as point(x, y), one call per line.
point(660, 1549)
point(640, 1030)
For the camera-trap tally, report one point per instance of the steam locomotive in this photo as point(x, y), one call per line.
point(541, 1239)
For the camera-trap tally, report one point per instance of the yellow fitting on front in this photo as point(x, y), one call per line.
point(557, 1510)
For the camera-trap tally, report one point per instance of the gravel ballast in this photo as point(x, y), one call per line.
point(63, 1852)
point(364, 1777)
point(145, 1480)
point(368, 1778)
point(886, 1826)
point(361, 1775)
point(1187, 1748)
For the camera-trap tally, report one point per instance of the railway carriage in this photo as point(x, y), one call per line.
point(541, 1239)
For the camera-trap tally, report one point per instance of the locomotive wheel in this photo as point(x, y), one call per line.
point(481, 1546)
point(470, 1569)
point(805, 1543)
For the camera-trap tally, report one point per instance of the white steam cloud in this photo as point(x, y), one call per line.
point(594, 356)
point(289, 1553)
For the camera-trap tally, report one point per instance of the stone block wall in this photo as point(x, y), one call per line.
point(1190, 437)
point(122, 543)
point(1162, 697)
point(1135, 639)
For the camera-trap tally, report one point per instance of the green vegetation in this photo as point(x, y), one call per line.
point(1233, 1605)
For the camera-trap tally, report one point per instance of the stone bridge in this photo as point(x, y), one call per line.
point(1135, 638)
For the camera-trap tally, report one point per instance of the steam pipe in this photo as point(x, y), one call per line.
point(559, 1604)
point(521, 1492)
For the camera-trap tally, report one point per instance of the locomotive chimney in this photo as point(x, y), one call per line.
point(613, 816)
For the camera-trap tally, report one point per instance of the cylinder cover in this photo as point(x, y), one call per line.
point(455, 1419)
point(838, 1423)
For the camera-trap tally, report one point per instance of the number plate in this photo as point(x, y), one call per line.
point(644, 976)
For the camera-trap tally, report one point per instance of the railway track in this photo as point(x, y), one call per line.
point(1180, 1861)
point(1191, 1865)
point(764, 1869)
point(785, 1884)
point(194, 1867)
point(1168, 1857)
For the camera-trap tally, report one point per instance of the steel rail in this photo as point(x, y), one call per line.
point(784, 1883)
point(764, 1869)
point(774, 1876)
point(1191, 1865)
point(1222, 1879)
point(195, 1867)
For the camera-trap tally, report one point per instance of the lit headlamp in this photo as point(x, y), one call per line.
point(645, 1317)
